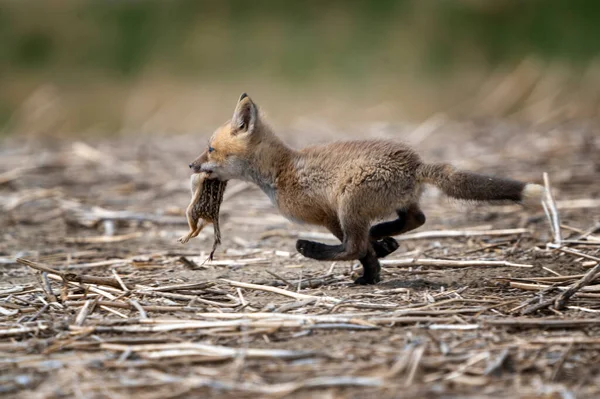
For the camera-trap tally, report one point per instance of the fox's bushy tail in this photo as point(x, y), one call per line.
point(476, 187)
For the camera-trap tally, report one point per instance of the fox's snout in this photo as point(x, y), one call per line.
point(196, 167)
point(196, 164)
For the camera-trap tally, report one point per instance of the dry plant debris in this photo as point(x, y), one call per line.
point(98, 300)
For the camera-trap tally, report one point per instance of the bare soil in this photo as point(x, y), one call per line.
point(114, 207)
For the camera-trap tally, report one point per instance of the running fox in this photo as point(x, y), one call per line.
point(344, 186)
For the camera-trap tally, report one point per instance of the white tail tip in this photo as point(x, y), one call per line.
point(532, 195)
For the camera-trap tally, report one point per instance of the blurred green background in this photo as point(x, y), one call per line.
point(75, 67)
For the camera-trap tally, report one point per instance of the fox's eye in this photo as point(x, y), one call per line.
point(210, 149)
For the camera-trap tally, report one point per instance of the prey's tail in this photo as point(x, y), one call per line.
point(475, 187)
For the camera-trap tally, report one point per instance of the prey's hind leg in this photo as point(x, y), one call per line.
point(194, 231)
point(381, 234)
point(195, 227)
point(192, 223)
point(203, 223)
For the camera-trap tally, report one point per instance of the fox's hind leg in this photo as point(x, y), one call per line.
point(408, 219)
point(381, 234)
point(385, 246)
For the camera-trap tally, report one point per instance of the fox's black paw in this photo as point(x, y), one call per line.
point(310, 249)
point(318, 251)
point(369, 280)
point(385, 246)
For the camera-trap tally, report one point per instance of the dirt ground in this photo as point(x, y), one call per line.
point(165, 324)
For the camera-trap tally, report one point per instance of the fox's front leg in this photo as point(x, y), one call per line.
point(355, 246)
point(354, 234)
point(371, 268)
point(379, 242)
point(368, 259)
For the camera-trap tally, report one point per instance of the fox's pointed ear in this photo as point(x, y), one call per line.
point(245, 115)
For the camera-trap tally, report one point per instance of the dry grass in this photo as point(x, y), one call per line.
point(99, 300)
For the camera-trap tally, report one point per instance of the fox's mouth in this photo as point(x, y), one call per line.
point(199, 169)
point(207, 171)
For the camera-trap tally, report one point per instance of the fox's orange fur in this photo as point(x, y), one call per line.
point(343, 186)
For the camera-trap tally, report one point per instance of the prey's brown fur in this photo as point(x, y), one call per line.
point(207, 196)
point(343, 186)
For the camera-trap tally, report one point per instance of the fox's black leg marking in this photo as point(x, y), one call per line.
point(381, 234)
point(317, 250)
point(353, 245)
point(371, 269)
point(385, 246)
point(354, 234)
point(408, 220)
point(388, 229)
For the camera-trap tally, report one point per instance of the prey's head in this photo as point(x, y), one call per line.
point(231, 144)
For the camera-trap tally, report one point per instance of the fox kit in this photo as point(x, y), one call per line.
point(344, 186)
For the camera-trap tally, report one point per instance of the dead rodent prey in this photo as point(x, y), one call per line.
point(207, 196)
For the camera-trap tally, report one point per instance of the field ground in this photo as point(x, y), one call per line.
point(164, 324)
